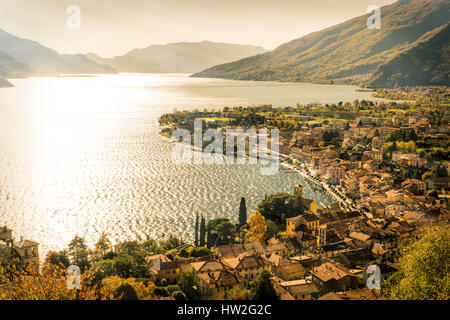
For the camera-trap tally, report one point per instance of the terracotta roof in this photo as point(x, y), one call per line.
point(299, 286)
point(234, 250)
point(329, 271)
point(379, 249)
point(330, 296)
point(25, 244)
point(244, 261)
point(308, 217)
point(277, 260)
point(159, 264)
point(220, 278)
point(286, 296)
point(208, 266)
point(359, 236)
point(292, 268)
point(357, 294)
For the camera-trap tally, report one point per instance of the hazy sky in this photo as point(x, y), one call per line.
point(113, 27)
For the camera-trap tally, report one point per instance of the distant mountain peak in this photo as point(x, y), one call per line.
point(179, 57)
point(31, 58)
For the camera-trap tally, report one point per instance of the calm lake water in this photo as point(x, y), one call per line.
point(83, 155)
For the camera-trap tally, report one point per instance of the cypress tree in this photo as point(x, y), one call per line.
point(196, 231)
point(208, 239)
point(202, 232)
point(242, 213)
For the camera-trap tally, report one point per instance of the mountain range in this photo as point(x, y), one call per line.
point(22, 58)
point(181, 57)
point(411, 48)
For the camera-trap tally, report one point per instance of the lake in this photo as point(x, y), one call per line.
point(82, 155)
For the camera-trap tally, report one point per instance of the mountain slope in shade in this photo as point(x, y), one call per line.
point(346, 53)
point(427, 62)
point(10, 67)
point(5, 83)
point(42, 60)
point(182, 57)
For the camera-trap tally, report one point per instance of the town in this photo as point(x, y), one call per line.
point(386, 166)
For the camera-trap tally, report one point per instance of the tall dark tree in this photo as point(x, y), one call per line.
point(202, 232)
point(196, 230)
point(262, 288)
point(209, 239)
point(189, 285)
point(242, 213)
point(79, 253)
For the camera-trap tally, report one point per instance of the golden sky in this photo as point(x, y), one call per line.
point(113, 27)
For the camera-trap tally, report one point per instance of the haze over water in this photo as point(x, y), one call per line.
point(83, 155)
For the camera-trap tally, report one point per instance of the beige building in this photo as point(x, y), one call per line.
point(247, 266)
point(298, 289)
point(163, 268)
point(336, 174)
point(26, 251)
point(215, 284)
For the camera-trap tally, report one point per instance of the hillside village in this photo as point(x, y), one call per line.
point(386, 164)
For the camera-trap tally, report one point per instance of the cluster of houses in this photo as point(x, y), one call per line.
point(324, 253)
point(24, 251)
point(321, 255)
point(366, 175)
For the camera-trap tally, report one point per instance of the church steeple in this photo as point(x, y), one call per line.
point(298, 191)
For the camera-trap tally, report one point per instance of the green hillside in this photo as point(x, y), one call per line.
point(346, 53)
point(426, 62)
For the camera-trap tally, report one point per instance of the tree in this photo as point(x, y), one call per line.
point(103, 245)
point(208, 237)
point(126, 292)
point(179, 295)
point(262, 288)
point(427, 175)
point(49, 284)
point(151, 246)
point(242, 212)
point(131, 260)
point(424, 269)
point(200, 252)
point(171, 243)
point(220, 232)
point(432, 194)
point(272, 229)
point(189, 286)
point(258, 228)
point(104, 269)
point(79, 253)
point(280, 206)
point(58, 258)
point(196, 231)
point(117, 288)
point(202, 232)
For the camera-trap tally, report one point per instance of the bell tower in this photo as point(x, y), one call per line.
point(298, 191)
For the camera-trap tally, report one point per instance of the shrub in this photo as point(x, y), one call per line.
point(126, 292)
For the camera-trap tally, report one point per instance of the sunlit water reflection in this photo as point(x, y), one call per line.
point(83, 155)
